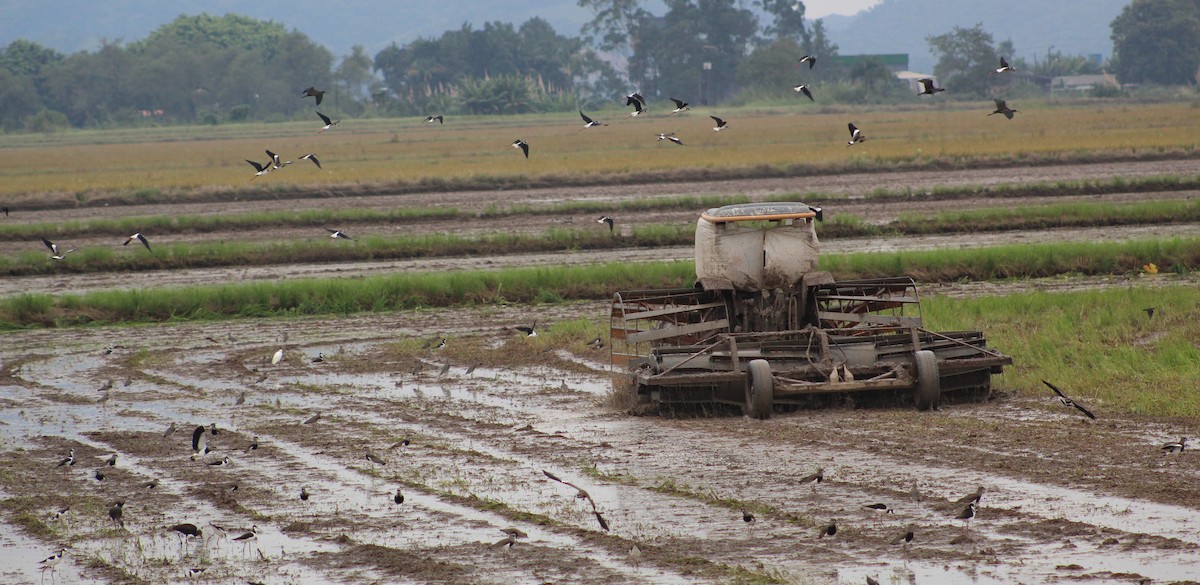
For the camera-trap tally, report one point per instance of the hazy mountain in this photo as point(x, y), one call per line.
point(73, 25)
point(1072, 27)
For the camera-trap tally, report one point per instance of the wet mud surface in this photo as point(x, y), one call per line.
point(1065, 500)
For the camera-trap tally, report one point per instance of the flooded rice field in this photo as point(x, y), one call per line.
point(465, 435)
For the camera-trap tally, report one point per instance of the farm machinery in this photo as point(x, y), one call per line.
point(763, 327)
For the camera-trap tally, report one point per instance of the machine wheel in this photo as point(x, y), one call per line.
point(929, 385)
point(760, 389)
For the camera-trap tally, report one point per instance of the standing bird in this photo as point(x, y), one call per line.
point(530, 331)
point(670, 137)
point(117, 513)
point(880, 507)
point(608, 220)
point(803, 88)
point(828, 530)
point(855, 135)
point(253, 446)
point(52, 561)
point(247, 538)
point(304, 494)
point(431, 119)
point(313, 92)
point(335, 234)
point(312, 419)
point(373, 458)
point(1002, 108)
point(596, 343)
point(588, 122)
point(1067, 401)
point(112, 460)
point(277, 356)
point(748, 518)
point(927, 87)
point(1005, 67)
point(222, 461)
point(55, 254)
point(170, 431)
point(905, 536)
point(966, 513)
point(399, 497)
point(69, 460)
point(199, 442)
point(328, 123)
point(521, 144)
point(721, 124)
point(808, 59)
point(312, 158)
point(139, 237)
point(680, 106)
point(188, 530)
point(1175, 447)
point(814, 478)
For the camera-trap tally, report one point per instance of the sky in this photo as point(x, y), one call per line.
point(821, 8)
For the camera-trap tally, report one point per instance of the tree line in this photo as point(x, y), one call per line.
point(210, 70)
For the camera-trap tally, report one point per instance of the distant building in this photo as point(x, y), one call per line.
point(897, 62)
point(1081, 83)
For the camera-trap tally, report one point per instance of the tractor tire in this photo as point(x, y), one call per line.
point(929, 384)
point(760, 390)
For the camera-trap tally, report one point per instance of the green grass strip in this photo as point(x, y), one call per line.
point(346, 296)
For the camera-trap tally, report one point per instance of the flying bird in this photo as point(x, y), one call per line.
point(803, 88)
point(139, 237)
point(313, 92)
point(373, 458)
point(1002, 108)
point(199, 442)
point(1005, 67)
point(521, 144)
point(312, 158)
point(927, 87)
point(855, 135)
point(721, 124)
point(638, 108)
point(608, 220)
point(636, 100)
point(335, 234)
point(431, 119)
point(259, 169)
point(1067, 401)
point(680, 106)
point(530, 331)
point(670, 137)
point(55, 253)
point(588, 122)
point(276, 162)
point(328, 123)
point(581, 494)
point(808, 59)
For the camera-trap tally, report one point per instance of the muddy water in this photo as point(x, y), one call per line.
point(479, 445)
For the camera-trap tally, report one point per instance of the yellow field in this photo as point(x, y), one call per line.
point(382, 151)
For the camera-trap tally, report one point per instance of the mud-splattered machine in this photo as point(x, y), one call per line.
point(763, 327)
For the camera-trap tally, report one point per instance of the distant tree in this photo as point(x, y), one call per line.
point(818, 44)
point(770, 70)
point(354, 77)
point(873, 77)
point(22, 57)
point(670, 58)
point(1157, 41)
point(18, 99)
point(91, 88)
point(230, 31)
point(788, 19)
point(967, 59)
point(1057, 64)
point(614, 24)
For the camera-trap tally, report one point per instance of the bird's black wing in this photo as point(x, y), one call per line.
point(196, 436)
point(525, 148)
point(144, 241)
point(256, 166)
point(600, 519)
point(807, 93)
point(1055, 389)
point(325, 118)
point(53, 247)
point(586, 120)
point(552, 476)
point(274, 157)
point(678, 103)
point(313, 158)
point(1085, 411)
point(719, 121)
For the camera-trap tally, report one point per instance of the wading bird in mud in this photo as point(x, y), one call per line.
point(721, 124)
point(112, 460)
point(1067, 401)
point(55, 253)
point(972, 497)
point(222, 461)
point(69, 460)
point(880, 507)
point(52, 561)
point(927, 87)
point(276, 357)
point(304, 494)
point(814, 478)
point(966, 513)
point(313, 92)
point(828, 530)
point(247, 538)
point(748, 518)
point(521, 144)
point(905, 536)
point(187, 530)
point(399, 497)
point(680, 106)
point(312, 419)
point(511, 534)
point(328, 123)
point(139, 237)
point(116, 513)
point(1174, 447)
point(373, 458)
point(335, 234)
